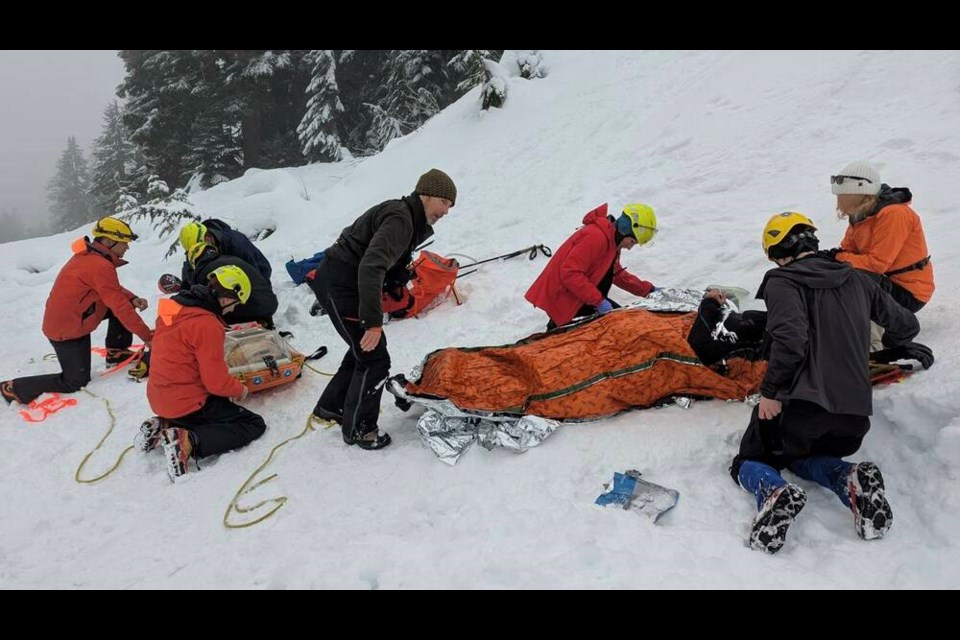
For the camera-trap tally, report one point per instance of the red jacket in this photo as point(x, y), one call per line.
point(187, 361)
point(570, 279)
point(891, 240)
point(84, 290)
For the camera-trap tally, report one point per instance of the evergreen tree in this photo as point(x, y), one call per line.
point(318, 132)
point(530, 62)
point(268, 89)
point(67, 191)
point(470, 65)
point(167, 91)
point(418, 86)
point(11, 226)
point(115, 158)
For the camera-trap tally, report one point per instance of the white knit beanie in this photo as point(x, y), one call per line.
point(857, 177)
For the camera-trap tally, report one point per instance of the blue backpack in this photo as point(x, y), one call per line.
point(298, 269)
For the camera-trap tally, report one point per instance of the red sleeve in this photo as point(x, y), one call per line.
point(890, 231)
point(107, 286)
point(214, 373)
point(629, 282)
point(584, 255)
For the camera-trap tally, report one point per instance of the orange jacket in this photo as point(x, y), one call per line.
point(890, 240)
point(187, 361)
point(86, 287)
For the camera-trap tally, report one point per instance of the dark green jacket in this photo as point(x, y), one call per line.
point(381, 239)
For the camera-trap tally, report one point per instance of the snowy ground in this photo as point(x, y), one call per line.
point(716, 143)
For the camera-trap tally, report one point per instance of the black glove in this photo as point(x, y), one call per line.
point(829, 254)
point(396, 277)
point(910, 351)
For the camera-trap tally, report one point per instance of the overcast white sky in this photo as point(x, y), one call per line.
point(45, 97)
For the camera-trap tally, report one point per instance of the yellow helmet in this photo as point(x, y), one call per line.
point(196, 251)
point(191, 234)
point(779, 227)
point(643, 221)
point(114, 229)
point(231, 279)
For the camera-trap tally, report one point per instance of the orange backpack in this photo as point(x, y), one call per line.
point(432, 281)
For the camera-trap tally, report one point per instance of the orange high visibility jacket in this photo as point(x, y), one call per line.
point(86, 287)
point(187, 360)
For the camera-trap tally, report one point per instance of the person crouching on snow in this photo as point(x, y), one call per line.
point(578, 277)
point(190, 387)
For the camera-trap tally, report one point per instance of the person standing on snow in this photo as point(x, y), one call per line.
point(578, 277)
point(190, 387)
point(85, 293)
point(348, 284)
point(816, 397)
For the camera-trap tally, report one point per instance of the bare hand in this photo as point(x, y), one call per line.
point(715, 294)
point(371, 338)
point(140, 303)
point(769, 409)
point(243, 394)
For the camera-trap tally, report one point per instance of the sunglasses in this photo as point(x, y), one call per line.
point(840, 179)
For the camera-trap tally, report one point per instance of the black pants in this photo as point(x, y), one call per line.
point(74, 358)
point(220, 425)
point(803, 429)
point(903, 297)
point(356, 387)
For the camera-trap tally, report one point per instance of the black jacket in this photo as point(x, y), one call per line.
point(231, 242)
point(262, 303)
point(818, 322)
point(380, 240)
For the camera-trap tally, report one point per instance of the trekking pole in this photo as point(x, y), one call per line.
point(531, 251)
point(425, 244)
point(463, 275)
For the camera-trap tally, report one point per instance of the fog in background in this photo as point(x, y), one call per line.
point(45, 97)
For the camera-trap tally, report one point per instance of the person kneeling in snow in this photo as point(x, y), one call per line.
point(578, 277)
point(190, 387)
point(815, 396)
point(85, 293)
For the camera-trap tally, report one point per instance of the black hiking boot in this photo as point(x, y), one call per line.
point(769, 530)
point(148, 438)
point(373, 440)
point(6, 390)
point(872, 515)
point(118, 356)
